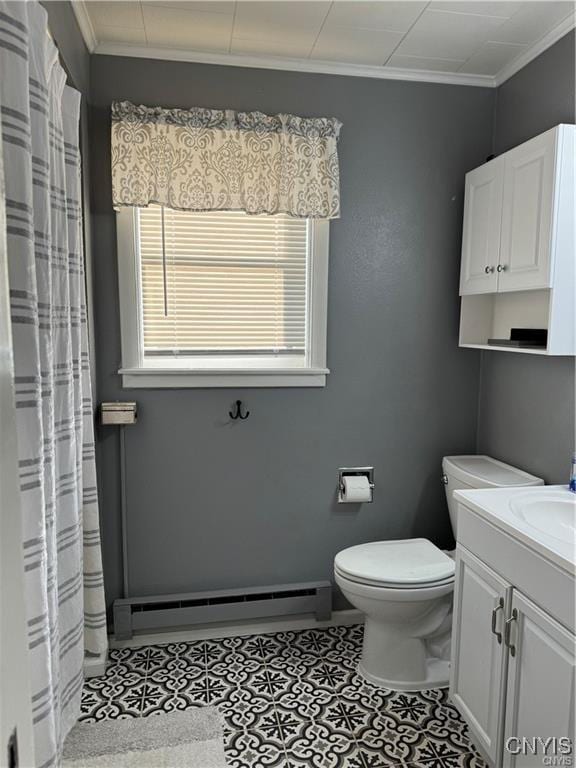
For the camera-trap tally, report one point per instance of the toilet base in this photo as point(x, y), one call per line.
point(437, 676)
point(407, 631)
point(408, 655)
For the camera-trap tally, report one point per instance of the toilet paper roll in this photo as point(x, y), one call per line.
point(356, 489)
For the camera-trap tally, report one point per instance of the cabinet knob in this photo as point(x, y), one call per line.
point(501, 267)
point(488, 269)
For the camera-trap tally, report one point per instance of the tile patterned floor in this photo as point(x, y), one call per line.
point(290, 699)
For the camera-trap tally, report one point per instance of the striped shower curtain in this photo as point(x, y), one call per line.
point(62, 558)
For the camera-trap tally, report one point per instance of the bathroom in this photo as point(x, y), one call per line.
point(193, 501)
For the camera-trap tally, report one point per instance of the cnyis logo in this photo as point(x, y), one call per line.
point(554, 750)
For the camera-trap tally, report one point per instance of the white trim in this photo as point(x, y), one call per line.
point(294, 65)
point(539, 47)
point(238, 629)
point(145, 379)
point(136, 374)
point(85, 24)
point(129, 282)
point(317, 312)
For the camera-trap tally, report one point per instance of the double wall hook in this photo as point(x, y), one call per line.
point(238, 413)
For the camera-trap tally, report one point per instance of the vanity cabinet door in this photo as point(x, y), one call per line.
point(478, 672)
point(541, 679)
point(481, 235)
point(527, 213)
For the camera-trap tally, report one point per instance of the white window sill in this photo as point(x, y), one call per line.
point(169, 378)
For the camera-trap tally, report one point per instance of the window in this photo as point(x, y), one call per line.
point(221, 299)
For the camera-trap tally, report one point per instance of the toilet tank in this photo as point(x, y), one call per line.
point(469, 472)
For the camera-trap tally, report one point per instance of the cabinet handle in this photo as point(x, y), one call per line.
point(488, 269)
point(507, 629)
point(499, 607)
point(501, 268)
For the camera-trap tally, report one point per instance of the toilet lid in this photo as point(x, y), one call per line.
point(402, 562)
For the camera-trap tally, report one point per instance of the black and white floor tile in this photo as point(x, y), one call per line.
point(289, 699)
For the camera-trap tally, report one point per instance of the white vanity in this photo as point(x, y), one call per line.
point(513, 643)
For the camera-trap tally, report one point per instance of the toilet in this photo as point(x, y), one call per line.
point(404, 587)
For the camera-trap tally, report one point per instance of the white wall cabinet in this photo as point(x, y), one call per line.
point(513, 665)
point(518, 245)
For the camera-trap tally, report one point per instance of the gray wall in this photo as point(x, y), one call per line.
point(526, 410)
point(214, 504)
point(538, 97)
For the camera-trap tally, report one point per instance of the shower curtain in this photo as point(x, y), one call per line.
point(62, 557)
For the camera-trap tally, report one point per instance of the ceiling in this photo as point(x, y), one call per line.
point(477, 43)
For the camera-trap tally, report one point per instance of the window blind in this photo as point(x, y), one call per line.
point(222, 282)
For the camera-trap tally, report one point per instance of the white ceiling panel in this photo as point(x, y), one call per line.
point(430, 65)
point(355, 46)
point(441, 34)
point(466, 41)
point(210, 6)
point(496, 8)
point(394, 16)
point(115, 14)
point(531, 22)
point(195, 30)
point(272, 21)
point(491, 58)
point(128, 35)
point(290, 48)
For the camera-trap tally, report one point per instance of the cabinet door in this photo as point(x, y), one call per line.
point(541, 678)
point(526, 243)
point(481, 235)
point(478, 672)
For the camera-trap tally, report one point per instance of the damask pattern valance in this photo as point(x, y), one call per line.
point(220, 160)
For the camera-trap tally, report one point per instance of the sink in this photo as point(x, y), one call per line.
point(552, 513)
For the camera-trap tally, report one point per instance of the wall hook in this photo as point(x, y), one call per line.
point(238, 413)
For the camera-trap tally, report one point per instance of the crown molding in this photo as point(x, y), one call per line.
point(539, 47)
point(294, 65)
point(85, 24)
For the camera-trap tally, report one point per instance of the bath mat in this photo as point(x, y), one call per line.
point(189, 739)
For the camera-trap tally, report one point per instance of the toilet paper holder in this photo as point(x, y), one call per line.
point(367, 472)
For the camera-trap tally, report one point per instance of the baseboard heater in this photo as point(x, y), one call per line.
point(136, 614)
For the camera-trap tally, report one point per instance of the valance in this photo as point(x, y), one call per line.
point(220, 160)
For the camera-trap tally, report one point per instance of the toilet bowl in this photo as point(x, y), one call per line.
point(404, 588)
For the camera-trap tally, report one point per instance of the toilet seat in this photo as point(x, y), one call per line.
point(385, 594)
point(394, 585)
point(401, 564)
